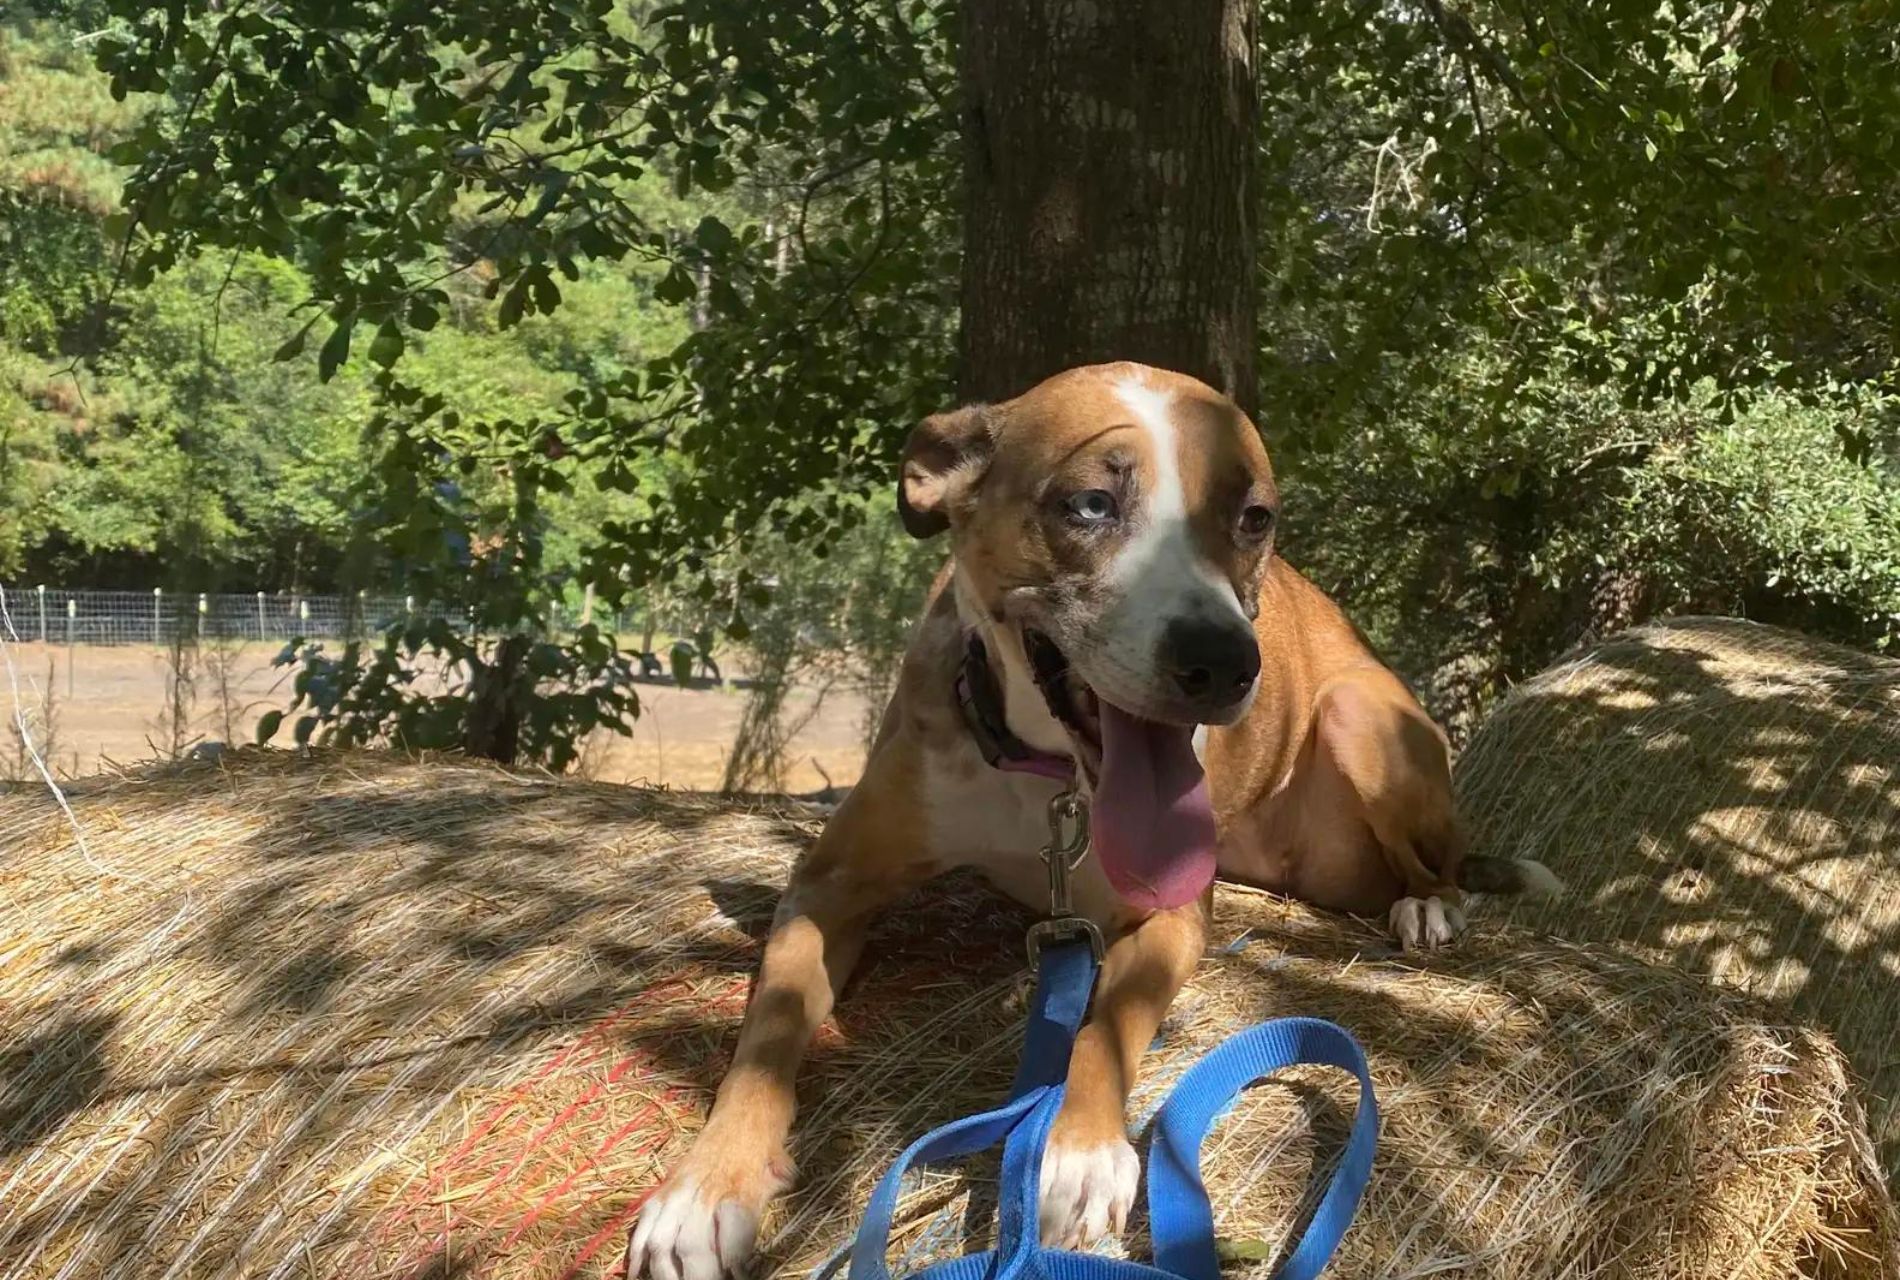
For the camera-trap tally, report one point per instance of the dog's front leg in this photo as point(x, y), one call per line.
point(703, 1221)
point(1090, 1173)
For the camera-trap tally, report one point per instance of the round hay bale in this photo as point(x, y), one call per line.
point(1723, 797)
point(351, 1016)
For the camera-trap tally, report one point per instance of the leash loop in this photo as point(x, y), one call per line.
point(1180, 1219)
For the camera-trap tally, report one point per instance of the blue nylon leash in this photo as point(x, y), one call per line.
point(1180, 1218)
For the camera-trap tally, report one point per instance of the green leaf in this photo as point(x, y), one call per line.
point(267, 725)
point(676, 286)
point(386, 349)
point(513, 303)
point(336, 348)
point(1243, 1249)
point(293, 346)
point(713, 235)
point(726, 300)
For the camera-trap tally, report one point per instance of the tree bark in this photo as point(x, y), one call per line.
point(1110, 213)
point(497, 701)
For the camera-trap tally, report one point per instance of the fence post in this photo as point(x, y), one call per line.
point(587, 605)
point(72, 615)
point(260, 616)
point(201, 615)
point(303, 616)
point(157, 609)
point(42, 590)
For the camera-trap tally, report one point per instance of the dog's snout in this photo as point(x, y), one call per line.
point(1212, 662)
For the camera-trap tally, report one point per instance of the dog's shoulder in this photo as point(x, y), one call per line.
point(1333, 647)
point(1306, 626)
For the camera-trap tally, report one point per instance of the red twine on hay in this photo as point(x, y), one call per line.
point(502, 1203)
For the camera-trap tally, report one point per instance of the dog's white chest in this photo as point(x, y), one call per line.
point(998, 823)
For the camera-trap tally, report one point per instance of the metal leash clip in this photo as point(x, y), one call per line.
point(1068, 845)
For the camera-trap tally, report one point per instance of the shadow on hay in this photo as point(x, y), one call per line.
point(748, 904)
point(1599, 1099)
point(1724, 798)
point(328, 964)
point(332, 942)
point(52, 1073)
point(434, 940)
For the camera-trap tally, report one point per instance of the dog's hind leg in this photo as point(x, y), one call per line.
point(1398, 765)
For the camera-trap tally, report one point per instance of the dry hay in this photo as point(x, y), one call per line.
point(357, 1017)
point(1724, 797)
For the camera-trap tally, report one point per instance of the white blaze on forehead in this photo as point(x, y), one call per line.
point(1167, 501)
point(1160, 563)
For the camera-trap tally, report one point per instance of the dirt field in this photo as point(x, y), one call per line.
point(108, 706)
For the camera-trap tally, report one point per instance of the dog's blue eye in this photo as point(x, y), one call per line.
point(1092, 506)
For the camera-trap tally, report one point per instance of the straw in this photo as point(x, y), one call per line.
point(432, 1019)
point(1724, 797)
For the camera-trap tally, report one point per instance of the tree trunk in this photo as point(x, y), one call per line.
point(497, 700)
point(1109, 187)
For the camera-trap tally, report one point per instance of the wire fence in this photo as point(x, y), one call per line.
point(53, 616)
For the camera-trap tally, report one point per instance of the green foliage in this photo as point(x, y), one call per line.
point(823, 287)
point(202, 434)
point(1476, 551)
point(51, 265)
point(56, 117)
point(837, 623)
point(1527, 273)
point(427, 687)
point(1570, 314)
point(1524, 175)
point(184, 434)
point(29, 466)
point(147, 423)
point(1765, 516)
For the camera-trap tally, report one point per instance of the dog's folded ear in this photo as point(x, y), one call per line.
point(944, 458)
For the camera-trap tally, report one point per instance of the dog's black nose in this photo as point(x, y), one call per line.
point(1214, 662)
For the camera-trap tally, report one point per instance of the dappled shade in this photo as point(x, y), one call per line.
point(1724, 797)
point(357, 1016)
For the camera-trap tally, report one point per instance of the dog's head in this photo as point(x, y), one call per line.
point(1113, 525)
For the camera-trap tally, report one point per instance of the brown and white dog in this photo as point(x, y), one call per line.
point(1112, 553)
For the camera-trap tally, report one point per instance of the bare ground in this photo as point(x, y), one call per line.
point(108, 707)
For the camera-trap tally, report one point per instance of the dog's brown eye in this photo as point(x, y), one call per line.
point(1092, 506)
point(1255, 520)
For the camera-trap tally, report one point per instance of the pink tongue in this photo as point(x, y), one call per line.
point(1151, 821)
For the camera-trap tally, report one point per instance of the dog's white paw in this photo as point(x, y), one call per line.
point(685, 1234)
point(1424, 923)
point(1087, 1191)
